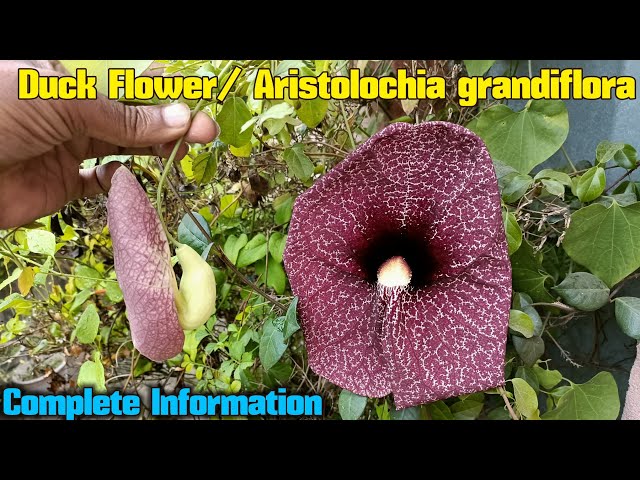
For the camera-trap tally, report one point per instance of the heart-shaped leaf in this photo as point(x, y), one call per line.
point(595, 400)
point(231, 118)
point(605, 240)
point(526, 138)
point(272, 345)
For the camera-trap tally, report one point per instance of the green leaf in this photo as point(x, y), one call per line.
point(605, 240)
point(622, 199)
point(312, 112)
point(91, 375)
point(233, 245)
point(41, 241)
point(547, 378)
point(88, 325)
point(411, 413)
point(628, 315)
point(100, 69)
point(190, 234)
point(253, 251)
point(522, 302)
point(275, 126)
point(11, 278)
point(291, 325)
point(559, 177)
point(622, 153)
point(526, 398)
point(528, 275)
point(351, 405)
point(79, 299)
point(280, 374)
point(526, 138)
point(204, 167)
point(528, 375)
point(513, 186)
point(595, 400)
point(529, 349)
point(87, 271)
point(477, 68)
point(12, 301)
point(113, 292)
point(583, 291)
point(142, 366)
point(283, 206)
point(591, 184)
point(232, 116)
point(273, 273)
point(277, 243)
point(512, 230)
point(439, 411)
point(272, 345)
point(499, 413)
point(298, 163)
point(553, 187)
point(559, 392)
point(627, 157)
point(521, 323)
point(606, 150)
point(228, 206)
point(466, 409)
point(278, 111)
point(191, 341)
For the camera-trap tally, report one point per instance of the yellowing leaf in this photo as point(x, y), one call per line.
point(25, 280)
point(243, 151)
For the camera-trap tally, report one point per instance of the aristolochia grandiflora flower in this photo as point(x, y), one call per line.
point(399, 259)
point(157, 309)
point(143, 264)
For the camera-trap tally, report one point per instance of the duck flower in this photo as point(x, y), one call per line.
point(399, 259)
point(142, 262)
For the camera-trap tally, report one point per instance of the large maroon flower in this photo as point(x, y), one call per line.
point(399, 259)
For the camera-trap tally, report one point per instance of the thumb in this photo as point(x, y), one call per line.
point(129, 126)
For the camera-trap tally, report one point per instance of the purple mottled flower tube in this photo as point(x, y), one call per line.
point(143, 267)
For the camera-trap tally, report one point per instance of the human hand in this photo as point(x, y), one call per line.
point(43, 143)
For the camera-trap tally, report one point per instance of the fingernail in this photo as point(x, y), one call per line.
point(176, 115)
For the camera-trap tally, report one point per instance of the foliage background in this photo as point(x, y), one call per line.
point(571, 232)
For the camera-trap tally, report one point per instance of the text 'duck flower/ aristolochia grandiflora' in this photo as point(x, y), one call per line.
point(399, 259)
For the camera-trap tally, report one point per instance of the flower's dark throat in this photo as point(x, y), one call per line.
point(398, 260)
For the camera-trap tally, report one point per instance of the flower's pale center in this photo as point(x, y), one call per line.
point(395, 272)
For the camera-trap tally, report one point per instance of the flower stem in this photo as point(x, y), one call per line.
point(507, 403)
point(566, 155)
point(346, 125)
point(163, 178)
